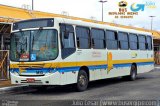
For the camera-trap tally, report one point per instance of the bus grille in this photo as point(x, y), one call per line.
point(32, 75)
point(30, 66)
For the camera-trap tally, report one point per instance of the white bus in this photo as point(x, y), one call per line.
point(58, 51)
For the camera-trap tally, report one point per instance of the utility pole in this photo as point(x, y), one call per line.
point(152, 21)
point(32, 5)
point(101, 1)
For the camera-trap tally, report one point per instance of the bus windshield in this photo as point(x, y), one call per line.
point(34, 45)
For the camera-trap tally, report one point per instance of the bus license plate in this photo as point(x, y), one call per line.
point(30, 80)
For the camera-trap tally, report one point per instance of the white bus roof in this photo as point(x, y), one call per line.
point(95, 25)
point(100, 26)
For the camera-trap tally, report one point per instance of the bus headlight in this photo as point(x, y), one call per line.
point(14, 72)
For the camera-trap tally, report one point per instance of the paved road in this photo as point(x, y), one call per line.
point(146, 87)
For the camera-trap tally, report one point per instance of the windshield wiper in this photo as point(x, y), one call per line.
point(22, 38)
point(38, 32)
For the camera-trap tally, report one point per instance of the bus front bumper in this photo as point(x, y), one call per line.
point(51, 79)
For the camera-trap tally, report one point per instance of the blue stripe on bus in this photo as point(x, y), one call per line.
point(69, 69)
point(145, 63)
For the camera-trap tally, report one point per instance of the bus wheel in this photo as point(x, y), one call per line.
point(82, 81)
point(133, 74)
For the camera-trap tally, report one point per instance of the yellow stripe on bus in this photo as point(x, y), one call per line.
point(132, 61)
point(73, 64)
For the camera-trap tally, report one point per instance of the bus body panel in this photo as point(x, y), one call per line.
point(65, 71)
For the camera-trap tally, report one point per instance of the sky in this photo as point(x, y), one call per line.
point(93, 8)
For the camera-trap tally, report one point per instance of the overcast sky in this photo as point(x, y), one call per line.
point(92, 8)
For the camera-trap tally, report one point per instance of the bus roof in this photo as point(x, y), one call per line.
point(100, 26)
point(91, 24)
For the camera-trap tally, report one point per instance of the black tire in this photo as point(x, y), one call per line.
point(133, 73)
point(82, 81)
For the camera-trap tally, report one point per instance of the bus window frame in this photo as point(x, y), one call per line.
point(30, 46)
point(151, 42)
point(132, 41)
point(141, 42)
point(104, 40)
point(64, 51)
point(69, 32)
point(123, 40)
point(116, 38)
point(89, 36)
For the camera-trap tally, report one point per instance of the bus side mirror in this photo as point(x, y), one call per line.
point(66, 34)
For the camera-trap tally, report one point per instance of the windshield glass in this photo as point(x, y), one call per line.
point(34, 45)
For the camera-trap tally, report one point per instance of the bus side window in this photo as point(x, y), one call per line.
point(98, 38)
point(123, 41)
point(67, 40)
point(149, 42)
point(83, 37)
point(142, 42)
point(111, 39)
point(133, 41)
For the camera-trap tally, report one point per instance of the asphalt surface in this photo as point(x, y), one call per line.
point(146, 87)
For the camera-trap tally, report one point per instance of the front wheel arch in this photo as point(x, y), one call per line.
point(133, 72)
point(82, 80)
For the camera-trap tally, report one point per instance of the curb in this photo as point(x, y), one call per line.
point(4, 90)
point(157, 67)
